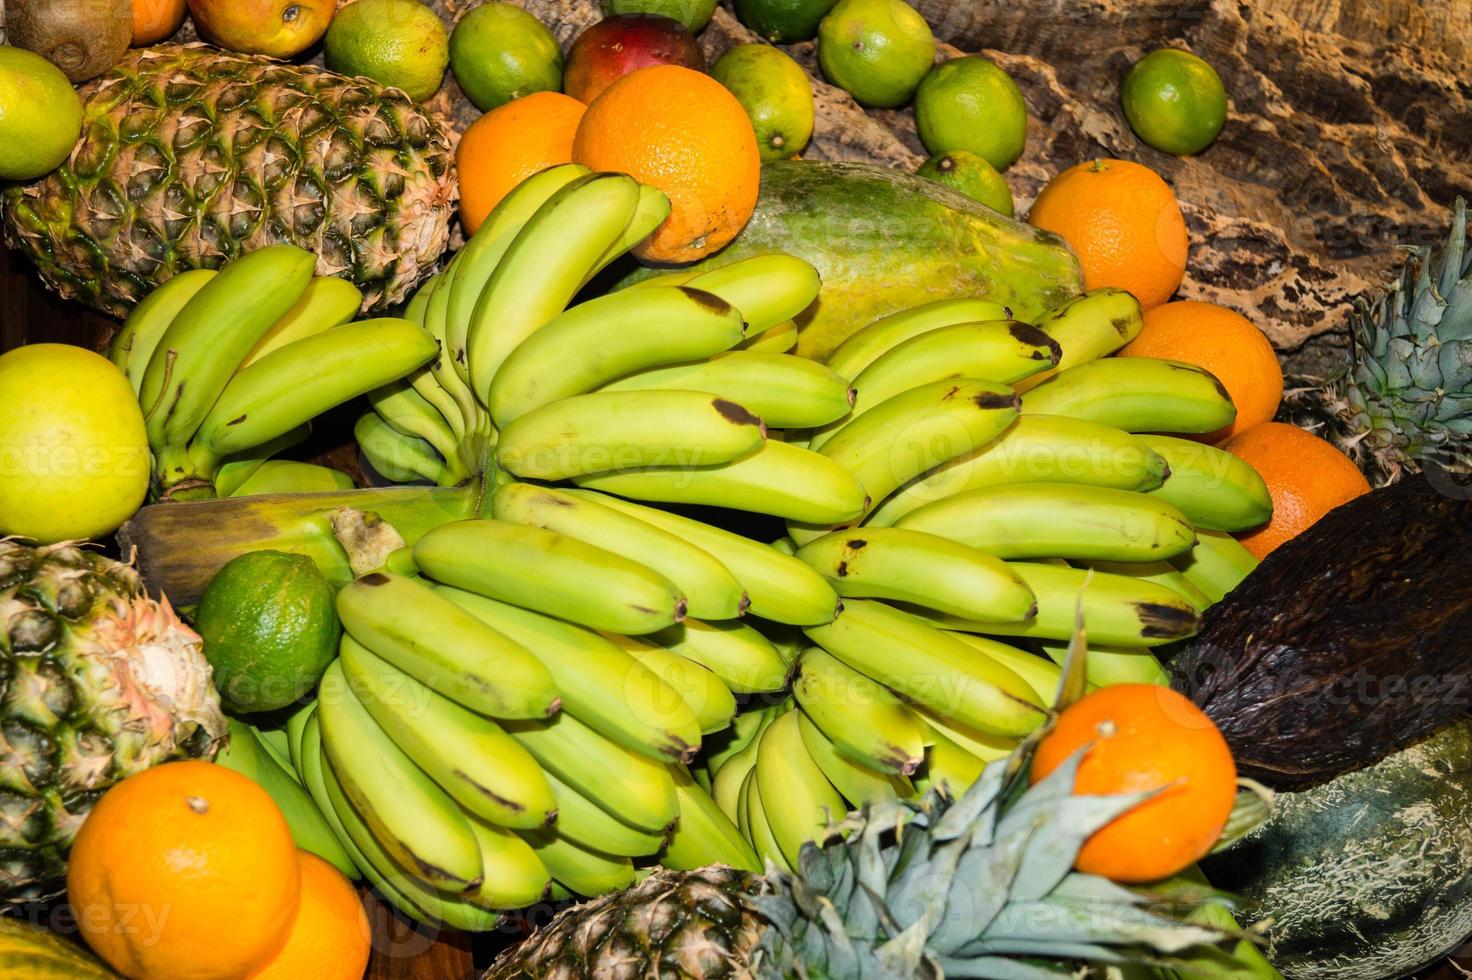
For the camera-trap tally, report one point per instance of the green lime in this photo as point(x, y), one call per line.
point(783, 21)
point(969, 173)
point(270, 628)
point(776, 94)
point(499, 52)
point(1174, 101)
point(694, 14)
point(40, 115)
point(971, 104)
point(399, 43)
point(876, 50)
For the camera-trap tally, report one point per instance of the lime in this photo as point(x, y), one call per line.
point(964, 171)
point(776, 94)
point(694, 14)
point(783, 21)
point(40, 115)
point(971, 104)
point(270, 629)
point(875, 50)
point(499, 52)
point(1174, 101)
point(399, 43)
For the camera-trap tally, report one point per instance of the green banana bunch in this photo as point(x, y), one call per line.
point(327, 302)
point(400, 404)
point(1212, 487)
point(233, 474)
point(1136, 394)
point(866, 345)
point(449, 390)
point(863, 719)
point(769, 290)
point(1089, 327)
point(1217, 564)
point(786, 391)
point(132, 349)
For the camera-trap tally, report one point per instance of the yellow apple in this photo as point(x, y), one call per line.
point(279, 28)
point(73, 450)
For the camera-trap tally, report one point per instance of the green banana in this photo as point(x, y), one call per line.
point(397, 457)
point(443, 370)
point(469, 756)
point(744, 659)
point(133, 347)
point(711, 591)
point(1217, 564)
point(613, 430)
point(581, 870)
point(583, 822)
point(445, 648)
point(327, 302)
point(863, 719)
point(240, 468)
point(704, 834)
point(296, 727)
point(798, 801)
point(650, 210)
point(779, 339)
point(1213, 488)
point(1035, 449)
point(702, 691)
point(412, 818)
point(858, 784)
point(948, 767)
point(923, 568)
point(274, 741)
point(1108, 666)
point(781, 588)
point(744, 730)
point(930, 667)
point(400, 405)
point(1041, 674)
point(599, 683)
point(983, 746)
point(550, 573)
point(514, 875)
point(787, 392)
point(769, 290)
point(1159, 572)
point(756, 827)
point(608, 337)
point(1136, 394)
point(289, 476)
point(1089, 327)
point(867, 344)
point(728, 779)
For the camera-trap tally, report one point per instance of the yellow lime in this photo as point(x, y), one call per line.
point(875, 50)
point(694, 14)
point(971, 104)
point(1174, 101)
point(776, 94)
point(40, 115)
point(970, 174)
point(499, 52)
point(399, 43)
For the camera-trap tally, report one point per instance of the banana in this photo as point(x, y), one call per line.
point(650, 210)
point(777, 479)
point(859, 785)
point(550, 573)
point(1213, 488)
point(514, 876)
point(246, 754)
point(1136, 394)
point(395, 456)
point(983, 746)
point(443, 370)
point(796, 798)
point(304, 379)
point(930, 667)
point(1159, 572)
point(768, 289)
point(779, 339)
point(483, 253)
point(400, 405)
point(922, 568)
point(728, 780)
point(757, 828)
point(581, 870)
point(206, 342)
point(865, 346)
point(583, 822)
point(626, 785)
point(289, 476)
point(702, 691)
point(1003, 351)
point(865, 722)
point(485, 770)
point(296, 727)
point(948, 767)
point(599, 683)
point(1108, 666)
point(445, 648)
point(1217, 564)
point(544, 266)
point(784, 390)
point(413, 819)
point(744, 659)
point(136, 341)
point(711, 591)
point(704, 834)
point(1035, 449)
point(327, 302)
point(1089, 327)
point(613, 430)
point(1118, 610)
point(743, 731)
point(415, 309)
point(608, 337)
point(782, 589)
point(1042, 675)
point(274, 741)
point(1057, 520)
point(241, 468)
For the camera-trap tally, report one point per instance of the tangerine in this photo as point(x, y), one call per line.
point(508, 145)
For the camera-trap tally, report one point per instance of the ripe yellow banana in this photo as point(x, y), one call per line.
point(1136, 394)
point(864, 720)
point(867, 344)
point(1089, 327)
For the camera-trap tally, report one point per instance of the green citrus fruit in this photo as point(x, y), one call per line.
point(875, 50)
point(270, 628)
point(40, 115)
point(399, 43)
point(970, 174)
point(1174, 101)
point(971, 104)
point(776, 94)
point(499, 52)
point(783, 21)
point(694, 14)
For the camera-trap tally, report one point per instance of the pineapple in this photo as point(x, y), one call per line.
point(979, 887)
point(1405, 400)
point(97, 682)
point(190, 156)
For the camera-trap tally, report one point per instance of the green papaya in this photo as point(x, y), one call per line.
point(884, 240)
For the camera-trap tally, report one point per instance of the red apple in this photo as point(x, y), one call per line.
point(613, 47)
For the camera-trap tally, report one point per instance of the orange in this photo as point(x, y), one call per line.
point(1144, 737)
point(330, 938)
point(186, 871)
point(1225, 343)
point(683, 132)
point(155, 20)
point(508, 145)
point(1123, 222)
point(1306, 476)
